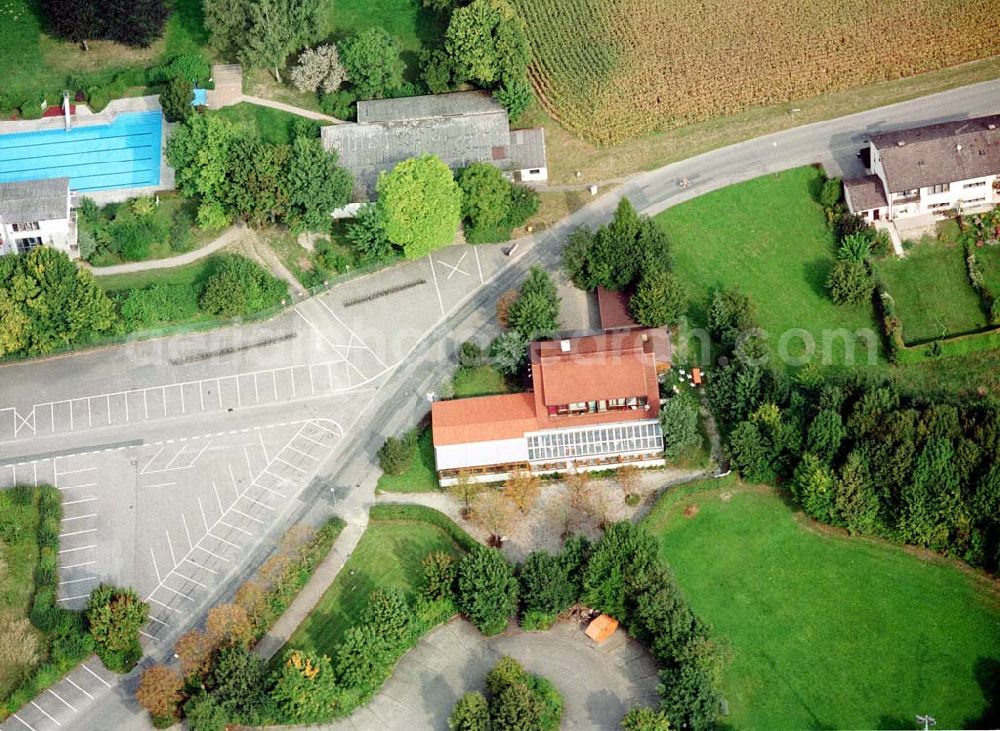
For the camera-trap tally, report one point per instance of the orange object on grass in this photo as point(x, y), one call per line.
point(696, 376)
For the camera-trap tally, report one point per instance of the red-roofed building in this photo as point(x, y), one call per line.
point(594, 405)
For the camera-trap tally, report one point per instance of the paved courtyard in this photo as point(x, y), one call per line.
point(598, 683)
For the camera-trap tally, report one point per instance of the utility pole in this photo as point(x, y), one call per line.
point(927, 721)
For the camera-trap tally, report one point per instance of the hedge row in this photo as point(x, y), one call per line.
point(423, 514)
point(68, 642)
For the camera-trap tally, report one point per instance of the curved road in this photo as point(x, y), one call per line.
point(399, 399)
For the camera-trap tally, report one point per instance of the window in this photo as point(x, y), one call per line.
point(25, 245)
point(30, 226)
point(977, 184)
point(974, 200)
point(942, 204)
point(534, 171)
point(595, 442)
point(942, 188)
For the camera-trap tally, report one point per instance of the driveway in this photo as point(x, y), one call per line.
point(598, 683)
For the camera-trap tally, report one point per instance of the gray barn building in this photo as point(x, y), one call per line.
point(460, 128)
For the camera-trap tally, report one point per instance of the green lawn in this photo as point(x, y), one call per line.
point(18, 557)
point(422, 476)
point(932, 293)
point(828, 632)
point(769, 237)
point(484, 380)
point(32, 62)
point(193, 274)
point(273, 125)
point(989, 259)
point(407, 20)
point(389, 555)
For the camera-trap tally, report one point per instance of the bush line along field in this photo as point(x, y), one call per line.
point(614, 69)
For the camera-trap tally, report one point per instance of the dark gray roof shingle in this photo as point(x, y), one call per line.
point(527, 148)
point(34, 200)
point(940, 153)
point(423, 107)
point(866, 193)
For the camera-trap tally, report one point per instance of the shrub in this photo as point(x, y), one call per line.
point(515, 95)
point(203, 713)
point(509, 353)
point(159, 692)
point(471, 713)
point(32, 110)
point(545, 588)
point(114, 618)
point(192, 67)
point(176, 99)
point(396, 454)
point(240, 286)
point(305, 689)
point(241, 685)
point(850, 282)
point(424, 514)
point(368, 236)
point(158, 303)
point(487, 589)
point(339, 104)
point(437, 71)
point(831, 193)
point(439, 576)
point(470, 354)
point(679, 420)
point(645, 719)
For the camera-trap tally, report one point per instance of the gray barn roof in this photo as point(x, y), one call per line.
point(34, 200)
point(423, 107)
point(527, 148)
point(940, 153)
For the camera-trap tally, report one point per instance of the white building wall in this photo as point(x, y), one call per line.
point(533, 175)
point(58, 233)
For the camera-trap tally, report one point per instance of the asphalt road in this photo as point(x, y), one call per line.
point(366, 368)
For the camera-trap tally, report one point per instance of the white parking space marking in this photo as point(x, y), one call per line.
point(70, 681)
point(45, 713)
point(106, 683)
point(60, 698)
point(26, 724)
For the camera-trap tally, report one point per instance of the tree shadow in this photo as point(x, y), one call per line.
point(987, 672)
point(816, 272)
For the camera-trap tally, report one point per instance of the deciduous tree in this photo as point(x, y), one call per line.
point(371, 59)
point(522, 488)
point(368, 236)
point(194, 649)
point(319, 68)
point(305, 688)
point(316, 185)
point(420, 203)
point(486, 39)
point(494, 512)
point(159, 691)
point(115, 615)
point(228, 625)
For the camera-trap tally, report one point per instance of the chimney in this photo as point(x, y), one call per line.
point(564, 346)
point(958, 148)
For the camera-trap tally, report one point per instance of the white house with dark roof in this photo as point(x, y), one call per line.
point(460, 128)
point(37, 213)
point(936, 170)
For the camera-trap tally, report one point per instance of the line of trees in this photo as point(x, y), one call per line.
point(859, 453)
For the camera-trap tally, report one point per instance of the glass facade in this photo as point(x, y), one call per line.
point(595, 441)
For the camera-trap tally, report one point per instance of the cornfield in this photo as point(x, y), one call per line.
point(615, 69)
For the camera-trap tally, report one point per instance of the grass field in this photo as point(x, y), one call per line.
point(388, 555)
point(421, 477)
point(989, 259)
point(18, 557)
point(32, 62)
point(273, 125)
point(194, 274)
point(482, 380)
point(829, 632)
point(932, 292)
point(769, 237)
point(412, 25)
point(611, 70)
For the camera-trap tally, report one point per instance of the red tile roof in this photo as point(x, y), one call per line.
point(483, 418)
point(614, 310)
point(596, 367)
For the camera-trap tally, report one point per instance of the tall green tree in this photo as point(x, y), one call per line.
point(679, 420)
point(420, 203)
point(261, 33)
point(316, 184)
point(487, 41)
point(487, 589)
point(485, 194)
point(535, 312)
point(371, 59)
point(659, 300)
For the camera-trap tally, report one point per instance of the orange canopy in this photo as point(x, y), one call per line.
point(602, 628)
